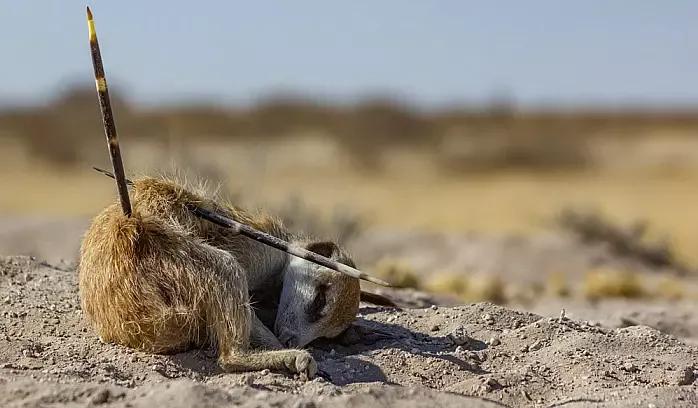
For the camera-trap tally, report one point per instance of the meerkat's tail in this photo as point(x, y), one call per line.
point(108, 117)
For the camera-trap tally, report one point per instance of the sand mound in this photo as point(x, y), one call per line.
point(478, 355)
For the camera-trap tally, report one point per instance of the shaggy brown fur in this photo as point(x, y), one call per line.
point(148, 282)
point(166, 198)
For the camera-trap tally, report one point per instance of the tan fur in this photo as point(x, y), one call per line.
point(345, 300)
point(167, 198)
point(164, 280)
point(147, 283)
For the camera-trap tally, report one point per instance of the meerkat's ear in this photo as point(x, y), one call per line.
point(326, 248)
point(376, 299)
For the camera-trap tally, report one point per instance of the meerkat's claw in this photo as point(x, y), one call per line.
point(301, 362)
point(306, 366)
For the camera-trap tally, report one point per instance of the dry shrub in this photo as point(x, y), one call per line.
point(341, 225)
point(525, 293)
point(448, 284)
point(500, 149)
point(557, 285)
point(669, 288)
point(487, 288)
point(398, 272)
point(472, 289)
point(630, 241)
point(611, 283)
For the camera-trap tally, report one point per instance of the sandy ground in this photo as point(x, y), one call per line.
point(478, 355)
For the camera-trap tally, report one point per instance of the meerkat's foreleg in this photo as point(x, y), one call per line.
point(240, 333)
point(295, 361)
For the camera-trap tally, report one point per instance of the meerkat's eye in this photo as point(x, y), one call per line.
point(314, 310)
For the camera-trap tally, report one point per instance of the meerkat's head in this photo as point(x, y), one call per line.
point(316, 301)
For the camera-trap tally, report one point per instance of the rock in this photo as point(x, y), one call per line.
point(101, 397)
point(434, 327)
point(459, 337)
point(494, 341)
point(686, 376)
point(630, 367)
point(247, 380)
point(535, 346)
point(491, 384)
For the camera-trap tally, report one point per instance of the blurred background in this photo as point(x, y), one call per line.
point(504, 151)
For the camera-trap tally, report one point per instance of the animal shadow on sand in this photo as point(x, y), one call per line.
point(339, 360)
point(343, 360)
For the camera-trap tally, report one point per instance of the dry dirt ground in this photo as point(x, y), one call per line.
point(478, 355)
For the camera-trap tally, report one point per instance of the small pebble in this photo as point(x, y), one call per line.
point(248, 380)
point(101, 397)
point(459, 337)
point(535, 346)
point(685, 376)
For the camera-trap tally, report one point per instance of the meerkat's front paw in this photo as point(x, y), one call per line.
point(301, 362)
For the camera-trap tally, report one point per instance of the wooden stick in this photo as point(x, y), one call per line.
point(108, 117)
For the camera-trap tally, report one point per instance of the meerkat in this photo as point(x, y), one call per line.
point(180, 265)
point(300, 300)
point(157, 277)
point(149, 284)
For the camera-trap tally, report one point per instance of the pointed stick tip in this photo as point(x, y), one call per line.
point(89, 13)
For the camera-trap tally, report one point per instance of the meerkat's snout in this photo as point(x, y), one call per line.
point(316, 301)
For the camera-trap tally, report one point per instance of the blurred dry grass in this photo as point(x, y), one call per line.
point(608, 283)
point(336, 170)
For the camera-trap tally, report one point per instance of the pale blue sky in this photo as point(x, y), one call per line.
point(429, 52)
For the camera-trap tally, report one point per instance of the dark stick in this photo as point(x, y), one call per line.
point(108, 117)
point(277, 243)
point(270, 240)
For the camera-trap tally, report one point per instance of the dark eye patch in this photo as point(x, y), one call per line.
point(313, 311)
